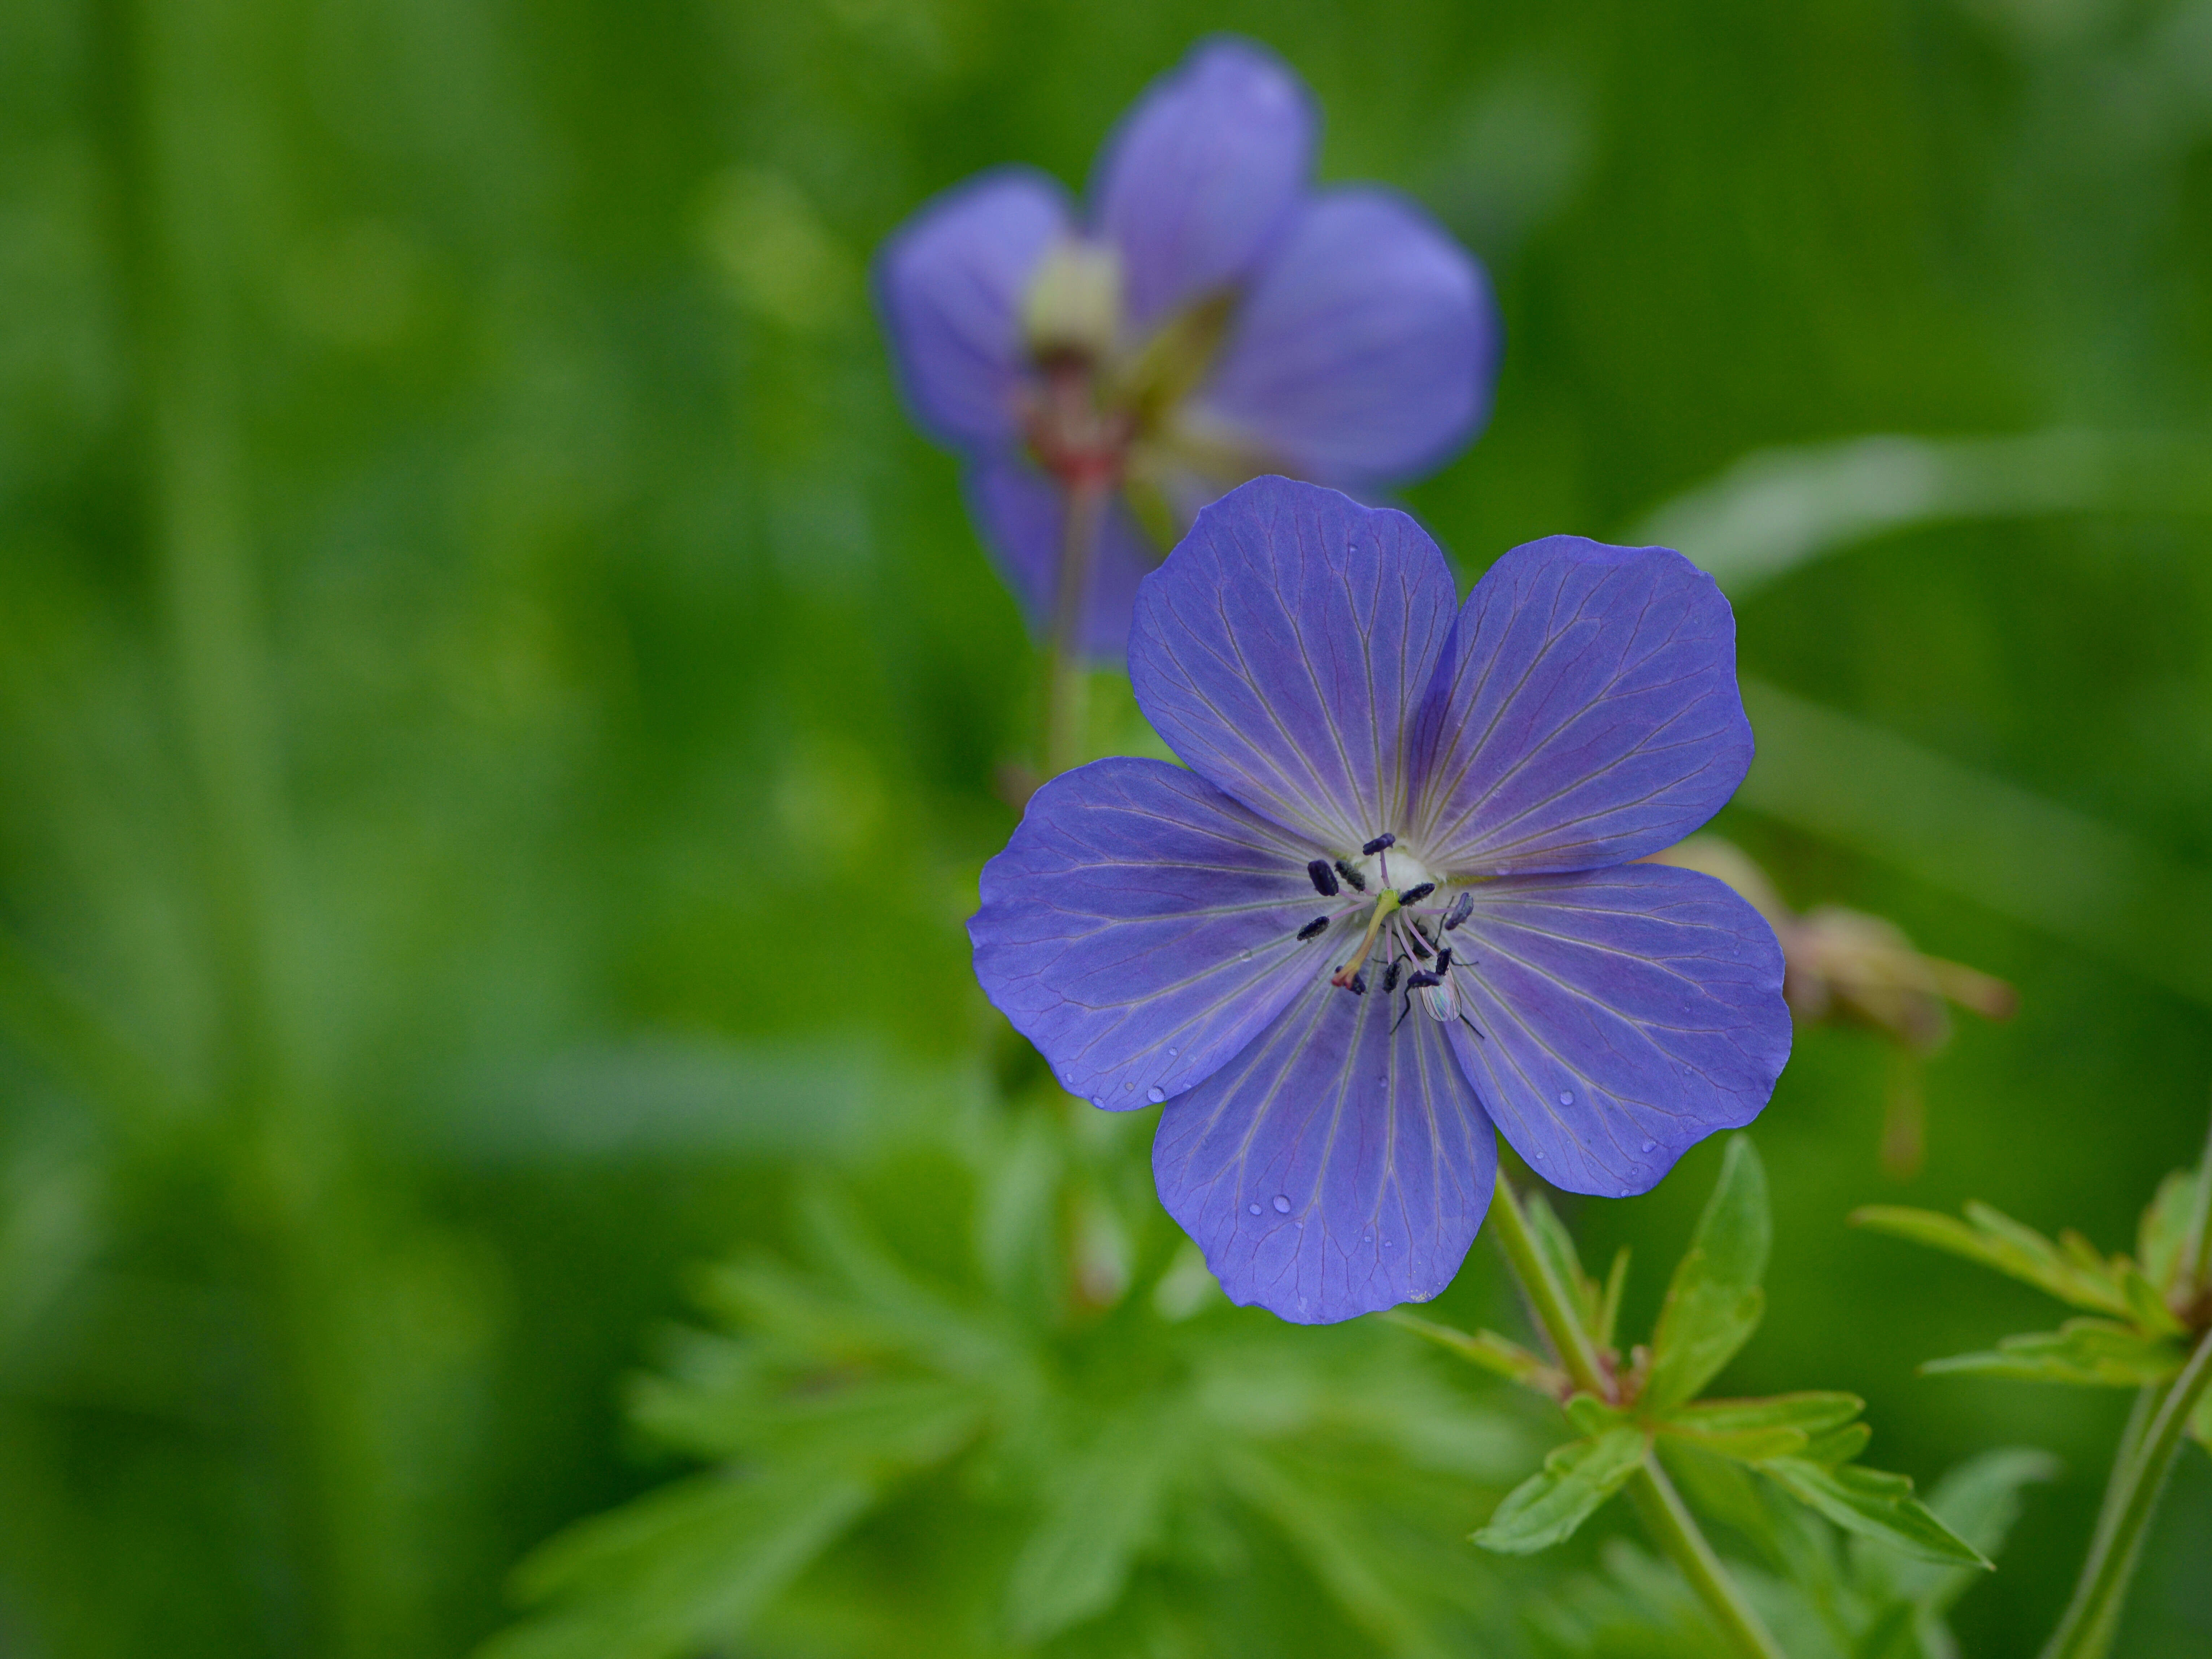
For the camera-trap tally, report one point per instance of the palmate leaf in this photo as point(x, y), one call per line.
point(1997, 1241)
point(1714, 1303)
point(2092, 1352)
point(1576, 1479)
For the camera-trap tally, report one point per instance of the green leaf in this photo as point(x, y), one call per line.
point(1997, 1241)
point(1876, 1505)
point(1715, 1302)
point(1979, 1501)
point(1104, 1506)
point(1837, 1445)
point(684, 1568)
point(1754, 1430)
point(1490, 1351)
point(2091, 1352)
point(1557, 1246)
point(2165, 1230)
point(1608, 1311)
point(1546, 1507)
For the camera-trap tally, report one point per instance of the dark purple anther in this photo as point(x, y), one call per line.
point(1457, 913)
point(1324, 879)
point(1443, 960)
point(1313, 927)
point(1390, 979)
point(1358, 986)
point(1415, 895)
point(1358, 883)
point(1421, 979)
point(1386, 839)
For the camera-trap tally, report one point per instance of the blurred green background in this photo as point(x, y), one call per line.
point(497, 712)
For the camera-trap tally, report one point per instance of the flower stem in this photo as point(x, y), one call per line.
point(1666, 1518)
point(1067, 683)
point(2093, 1617)
point(2197, 1251)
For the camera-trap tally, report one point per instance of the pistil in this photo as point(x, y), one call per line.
point(1384, 907)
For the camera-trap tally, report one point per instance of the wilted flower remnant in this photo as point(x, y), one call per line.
point(1393, 901)
point(1212, 318)
point(1848, 966)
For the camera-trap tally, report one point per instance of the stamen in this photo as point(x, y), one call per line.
point(1415, 895)
point(1323, 879)
point(1443, 960)
point(1421, 979)
point(1390, 979)
point(1348, 975)
point(1359, 985)
point(1318, 924)
point(1386, 839)
point(1458, 912)
point(1356, 882)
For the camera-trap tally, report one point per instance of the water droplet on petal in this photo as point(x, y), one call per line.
point(1253, 1208)
point(1648, 1144)
point(1099, 1101)
point(1567, 1097)
point(1172, 1052)
point(1282, 1205)
point(1156, 1094)
point(1128, 1083)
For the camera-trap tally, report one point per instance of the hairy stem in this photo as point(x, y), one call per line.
point(1068, 685)
point(2093, 1617)
point(1666, 1518)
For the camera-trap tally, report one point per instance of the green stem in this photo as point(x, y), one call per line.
point(2093, 1617)
point(1667, 1519)
point(1067, 675)
point(1660, 1507)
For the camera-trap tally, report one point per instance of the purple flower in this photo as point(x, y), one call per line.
point(1212, 320)
point(1393, 901)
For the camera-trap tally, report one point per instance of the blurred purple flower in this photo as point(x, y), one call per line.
point(1394, 798)
point(1213, 319)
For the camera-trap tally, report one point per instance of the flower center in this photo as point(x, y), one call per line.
point(1107, 409)
point(1409, 913)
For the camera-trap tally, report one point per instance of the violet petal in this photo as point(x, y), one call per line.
point(1280, 648)
point(1203, 173)
point(1367, 347)
point(1585, 713)
point(1331, 1168)
point(1625, 1015)
point(1141, 927)
point(949, 285)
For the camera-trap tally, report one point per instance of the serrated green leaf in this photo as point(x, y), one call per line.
point(1490, 1351)
point(1837, 1445)
point(2087, 1352)
point(1997, 1241)
point(1714, 1303)
point(1754, 1430)
point(1874, 1504)
point(1979, 1500)
point(2165, 1228)
point(1546, 1507)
